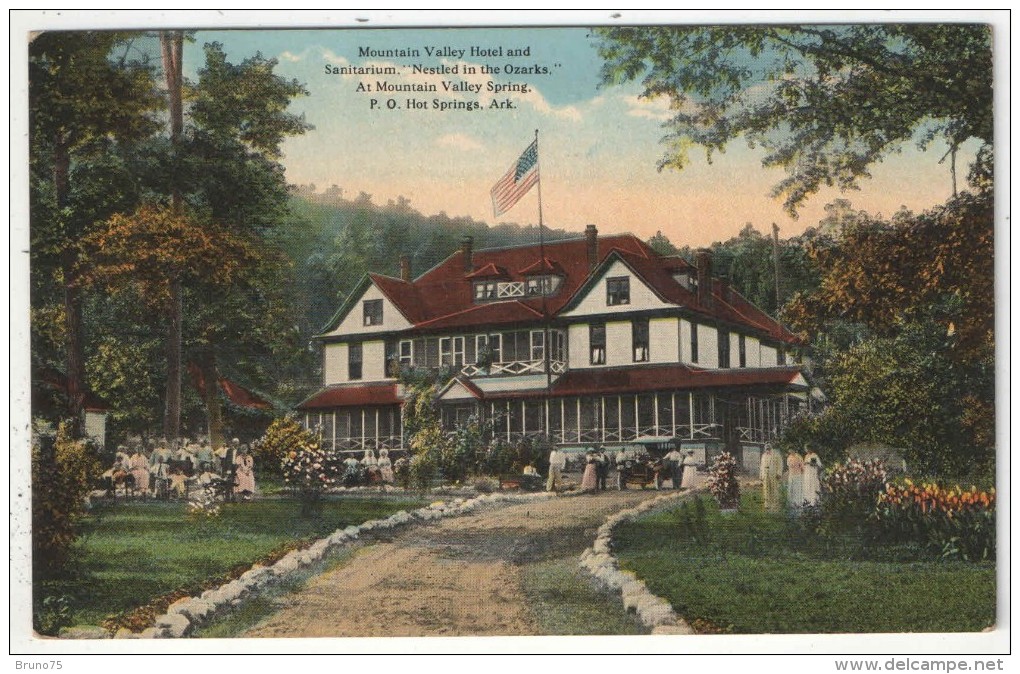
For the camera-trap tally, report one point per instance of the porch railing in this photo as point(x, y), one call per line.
point(515, 367)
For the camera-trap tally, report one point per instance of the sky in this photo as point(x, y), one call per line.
point(598, 145)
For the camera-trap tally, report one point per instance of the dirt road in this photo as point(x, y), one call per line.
point(458, 577)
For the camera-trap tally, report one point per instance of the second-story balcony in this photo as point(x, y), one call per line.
point(514, 367)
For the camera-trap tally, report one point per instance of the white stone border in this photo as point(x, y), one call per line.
point(654, 612)
point(184, 615)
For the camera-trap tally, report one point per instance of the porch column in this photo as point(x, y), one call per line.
point(602, 402)
point(690, 404)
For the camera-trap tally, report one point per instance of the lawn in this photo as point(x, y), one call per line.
point(132, 553)
point(754, 572)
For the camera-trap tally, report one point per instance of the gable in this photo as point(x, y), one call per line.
point(592, 297)
point(350, 320)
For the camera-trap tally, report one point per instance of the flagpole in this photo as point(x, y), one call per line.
point(543, 286)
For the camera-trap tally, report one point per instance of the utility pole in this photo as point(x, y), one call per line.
point(775, 261)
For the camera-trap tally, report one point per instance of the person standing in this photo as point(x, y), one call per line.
point(557, 460)
point(245, 471)
point(385, 466)
point(812, 478)
point(601, 470)
point(589, 481)
point(140, 472)
point(795, 480)
point(674, 461)
point(771, 471)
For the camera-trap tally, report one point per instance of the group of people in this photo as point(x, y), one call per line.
point(598, 463)
point(369, 469)
point(173, 469)
point(803, 479)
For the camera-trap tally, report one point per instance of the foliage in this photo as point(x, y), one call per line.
point(310, 471)
point(824, 102)
point(849, 495)
point(722, 481)
point(463, 455)
point(908, 391)
point(63, 474)
point(54, 615)
point(951, 522)
point(902, 325)
point(284, 435)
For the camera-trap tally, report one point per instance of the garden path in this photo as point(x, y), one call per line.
point(459, 577)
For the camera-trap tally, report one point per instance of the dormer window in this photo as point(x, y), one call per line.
point(686, 280)
point(485, 290)
point(618, 291)
point(373, 310)
point(542, 285)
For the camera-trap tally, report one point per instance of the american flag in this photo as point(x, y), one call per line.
point(522, 174)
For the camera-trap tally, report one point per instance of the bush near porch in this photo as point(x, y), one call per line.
point(756, 572)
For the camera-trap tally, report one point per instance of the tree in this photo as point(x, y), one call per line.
point(82, 98)
point(825, 102)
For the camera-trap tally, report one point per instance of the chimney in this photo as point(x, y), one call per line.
point(591, 237)
point(703, 261)
point(465, 251)
point(405, 268)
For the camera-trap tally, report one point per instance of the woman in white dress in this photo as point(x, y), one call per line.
point(385, 466)
point(690, 471)
point(795, 480)
point(812, 478)
point(245, 472)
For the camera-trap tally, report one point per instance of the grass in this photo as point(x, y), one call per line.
point(132, 553)
point(566, 601)
point(755, 572)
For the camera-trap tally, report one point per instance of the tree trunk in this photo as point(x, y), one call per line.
point(72, 298)
point(172, 43)
point(214, 410)
point(172, 418)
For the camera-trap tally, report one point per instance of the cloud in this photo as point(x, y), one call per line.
point(459, 141)
point(291, 57)
point(648, 108)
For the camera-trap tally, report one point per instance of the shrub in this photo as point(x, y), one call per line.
point(310, 471)
point(950, 522)
point(850, 494)
point(282, 437)
point(63, 473)
point(722, 481)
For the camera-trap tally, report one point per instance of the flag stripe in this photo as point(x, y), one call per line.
point(515, 183)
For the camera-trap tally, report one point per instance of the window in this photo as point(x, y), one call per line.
point(391, 363)
point(618, 291)
point(558, 345)
point(542, 285)
point(694, 342)
point(354, 361)
point(639, 336)
point(537, 345)
point(597, 340)
point(451, 351)
point(724, 348)
point(780, 356)
point(485, 290)
point(406, 354)
point(743, 351)
point(373, 312)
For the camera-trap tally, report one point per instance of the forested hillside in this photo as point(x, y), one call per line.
point(333, 239)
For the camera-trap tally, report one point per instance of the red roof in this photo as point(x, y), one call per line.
point(598, 381)
point(352, 396)
point(235, 393)
point(443, 297)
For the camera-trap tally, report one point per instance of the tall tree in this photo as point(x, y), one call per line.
point(172, 48)
point(825, 102)
point(85, 92)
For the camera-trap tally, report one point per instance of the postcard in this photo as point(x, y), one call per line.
point(362, 335)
